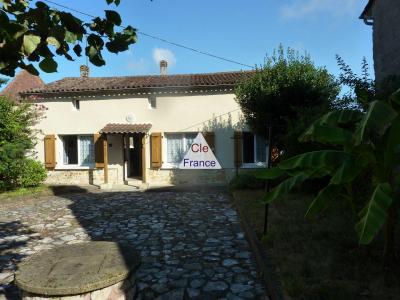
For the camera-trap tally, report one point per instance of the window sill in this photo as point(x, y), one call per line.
point(74, 167)
point(169, 166)
point(254, 165)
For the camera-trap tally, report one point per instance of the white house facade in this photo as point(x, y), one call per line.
point(117, 130)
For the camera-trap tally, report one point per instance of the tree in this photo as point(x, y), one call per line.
point(362, 89)
point(17, 139)
point(365, 143)
point(37, 33)
point(288, 92)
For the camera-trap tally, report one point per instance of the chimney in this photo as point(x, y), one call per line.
point(84, 71)
point(163, 67)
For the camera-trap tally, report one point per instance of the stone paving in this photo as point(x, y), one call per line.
point(191, 243)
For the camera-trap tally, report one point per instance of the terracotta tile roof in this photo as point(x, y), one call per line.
point(22, 82)
point(153, 82)
point(125, 128)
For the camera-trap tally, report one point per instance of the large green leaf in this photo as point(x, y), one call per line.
point(285, 187)
point(30, 43)
point(53, 41)
point(378, 118)
point(374, 214)
point(317, 160)
point(323, 199)
point(327, 135)
point(391, 153)
point(48, 65)
point(339, 117)
point(272, 173)
point(113, 17)
point(395, 97)
point(349, 170)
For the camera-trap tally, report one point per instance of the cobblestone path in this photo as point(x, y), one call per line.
point(191, 243)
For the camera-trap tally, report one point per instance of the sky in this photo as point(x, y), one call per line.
point(244, 31)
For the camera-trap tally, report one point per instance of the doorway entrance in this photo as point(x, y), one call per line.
point(133, 155)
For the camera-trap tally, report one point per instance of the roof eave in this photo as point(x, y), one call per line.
point(366, 13)
point(148, 90)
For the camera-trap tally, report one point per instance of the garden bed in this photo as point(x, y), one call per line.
point(320, 258)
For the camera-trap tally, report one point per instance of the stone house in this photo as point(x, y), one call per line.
point(136, 129)
point(383, 16)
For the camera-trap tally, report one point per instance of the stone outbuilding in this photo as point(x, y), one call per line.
point(384, 17)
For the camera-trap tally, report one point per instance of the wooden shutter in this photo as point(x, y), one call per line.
point(210, 139)
point(238, 137)
point(50, 151)
point(156, 150)
point(98, 140)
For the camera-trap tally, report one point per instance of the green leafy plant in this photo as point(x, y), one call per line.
point(17, 139)
point(246, 181)
point(37, 33)
point(362, 88)
point(288, 93)
point(32, 173)
point(363, 143)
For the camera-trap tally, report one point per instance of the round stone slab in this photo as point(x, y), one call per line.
point(76, 269)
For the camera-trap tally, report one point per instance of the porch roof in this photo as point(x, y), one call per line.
point(125, 128)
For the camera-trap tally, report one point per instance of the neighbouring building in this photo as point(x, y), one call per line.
point(133, 129)
point(22, 82)
point(384, 17)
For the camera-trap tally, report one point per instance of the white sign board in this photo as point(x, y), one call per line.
point(199, 156)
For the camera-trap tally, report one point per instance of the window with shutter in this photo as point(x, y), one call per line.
point(50, 151)
point(156, 150)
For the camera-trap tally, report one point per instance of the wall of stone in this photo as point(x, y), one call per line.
point(82, 177)
point(177, 176)
point(386, 36)
point(154, 177)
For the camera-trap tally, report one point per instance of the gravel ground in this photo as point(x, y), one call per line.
point(191, 243)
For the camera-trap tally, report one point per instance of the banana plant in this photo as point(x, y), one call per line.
point(359, 142)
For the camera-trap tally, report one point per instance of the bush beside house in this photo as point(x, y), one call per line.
point(287, 93)
point(17, 139)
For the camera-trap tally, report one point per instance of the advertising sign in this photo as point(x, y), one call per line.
point(199, 156)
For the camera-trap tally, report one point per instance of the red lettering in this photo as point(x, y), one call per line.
point(197, 148)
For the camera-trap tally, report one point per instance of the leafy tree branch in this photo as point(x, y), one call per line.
point(31, 31)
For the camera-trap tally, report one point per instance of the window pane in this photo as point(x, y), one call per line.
point(86, 154)
point(70, 149)
point(175, 150)
point(248, 147)
point(261, 149)
point(189, 140)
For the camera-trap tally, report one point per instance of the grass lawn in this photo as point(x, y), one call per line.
point(25, 196)
point(21, 192)
point(319, 258)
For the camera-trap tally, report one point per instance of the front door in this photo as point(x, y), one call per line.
point(134, 155)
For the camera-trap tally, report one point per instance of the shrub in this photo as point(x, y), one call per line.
point(32, 173)
point(288, 93)
point(17, 139)
point(246, 181)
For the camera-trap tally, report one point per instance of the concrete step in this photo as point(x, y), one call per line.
point(133, 182)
